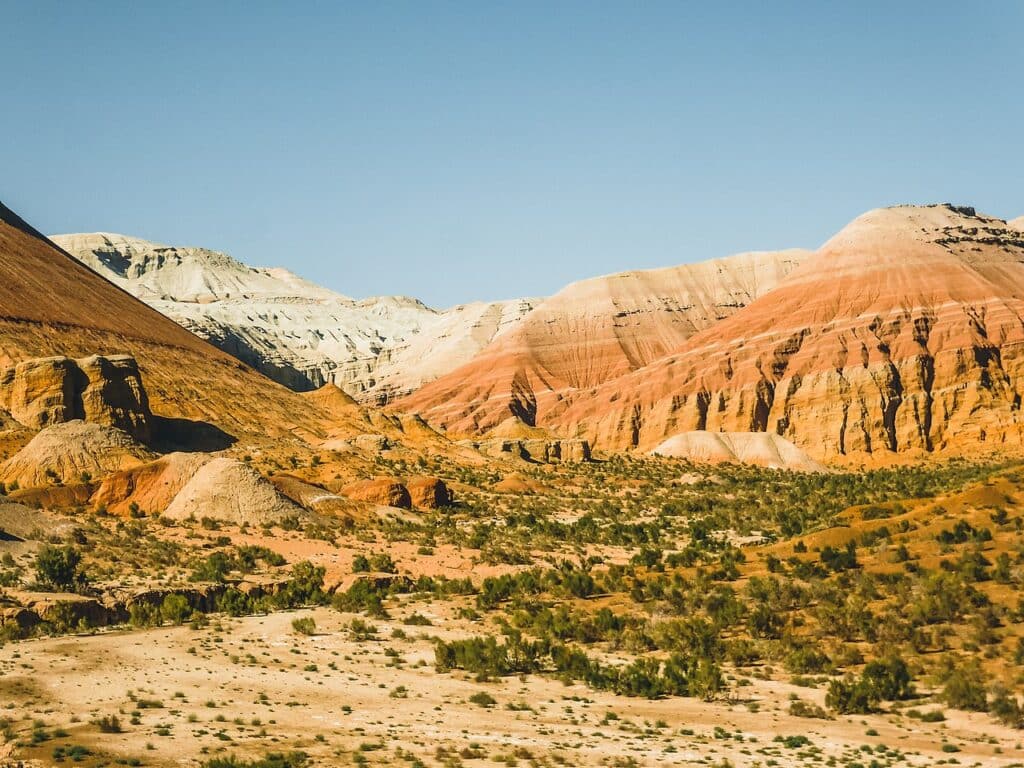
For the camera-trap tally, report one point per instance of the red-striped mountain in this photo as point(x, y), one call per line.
point(901, 334)
point(592, 332)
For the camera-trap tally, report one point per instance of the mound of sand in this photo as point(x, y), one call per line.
point(334, 400)
point(151, 486)
point(226, 489)
point(761, 448)
point(65, 452)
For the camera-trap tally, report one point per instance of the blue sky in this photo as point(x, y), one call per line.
point(479, 150)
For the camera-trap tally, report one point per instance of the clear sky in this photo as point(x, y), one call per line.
point(484, 150)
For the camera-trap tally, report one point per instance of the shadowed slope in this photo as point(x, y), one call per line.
point(51, 304)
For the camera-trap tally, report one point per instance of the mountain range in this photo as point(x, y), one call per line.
point(901, 335)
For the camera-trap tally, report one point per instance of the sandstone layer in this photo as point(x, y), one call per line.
point(591, 332)
point(51, 390)
point(902, 334)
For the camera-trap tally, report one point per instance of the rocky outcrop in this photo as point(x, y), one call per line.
point(371, 443)
point(102, 389)
point(229, 490)
point(383, 491)
point(150, 487)
point(763, 449)
point(312, 497)
point(544, 451)
point(903, 334)
point(72, 452)
point(589, 333)
point(40, 392)
point(293, 331)
point(428, 492)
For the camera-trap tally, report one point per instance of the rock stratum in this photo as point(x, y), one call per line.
point(51, 305)
point(764, 449)
point(902, 334)
point(592, 332)
point(51, 390)
point(293, 331)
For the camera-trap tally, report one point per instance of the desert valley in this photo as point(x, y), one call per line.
point(762, 510)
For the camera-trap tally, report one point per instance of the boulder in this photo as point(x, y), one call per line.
point(428, 492)
point(113, 394)
point(385, 491)
point(102, 389)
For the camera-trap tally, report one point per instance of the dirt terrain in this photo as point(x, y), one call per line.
point(252, 685)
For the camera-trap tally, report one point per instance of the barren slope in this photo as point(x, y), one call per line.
point(50, 304)
point(591, 332)
point(902, 334)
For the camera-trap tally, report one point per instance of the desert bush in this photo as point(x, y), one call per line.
point(175, 609)
point(305, 625)
point(57, 568)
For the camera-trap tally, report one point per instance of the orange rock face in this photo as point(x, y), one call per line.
point(902, 334)
point(591, 332)
point(385, 491)
point(151, 486)
point(428, 492)
point(52, 390)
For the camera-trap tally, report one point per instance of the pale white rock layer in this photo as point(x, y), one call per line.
point(294, 331)
point(761, 448)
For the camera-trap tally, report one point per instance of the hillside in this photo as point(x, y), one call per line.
point(592, 332)
point(53, 305)
point(296, 332)
point(902, 334)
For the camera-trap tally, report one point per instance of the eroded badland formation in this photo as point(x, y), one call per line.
point(761, 510)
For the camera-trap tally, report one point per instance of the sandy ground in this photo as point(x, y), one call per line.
point(253, 685)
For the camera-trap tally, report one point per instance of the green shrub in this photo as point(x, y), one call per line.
point(57, 567)
point(175, 609)
point(305, 625)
